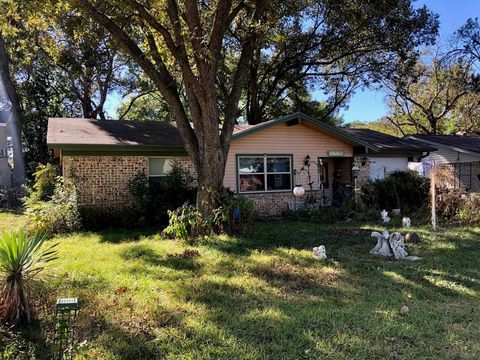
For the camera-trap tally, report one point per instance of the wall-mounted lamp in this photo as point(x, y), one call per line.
point(306, 162)
point(355, 171)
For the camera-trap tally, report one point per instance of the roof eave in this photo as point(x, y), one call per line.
point(455, 148)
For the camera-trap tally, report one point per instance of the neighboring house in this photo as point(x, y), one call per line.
point(462, 152)
point(451, 148)
point(264, 164)
point(5, 170)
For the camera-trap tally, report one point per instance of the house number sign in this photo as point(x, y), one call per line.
point(336, 153)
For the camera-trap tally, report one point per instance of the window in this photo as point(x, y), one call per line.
point(157, 169)
point(264, 173)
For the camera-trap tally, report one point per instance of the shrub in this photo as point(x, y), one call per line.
point(21, 259)
point(99, 218)
point(233, 216)
point(184, 223)
point(230, 220)
point(468, 211)
point(454, 206)
point(152, 201)
point(45, 181)
point(402, 189)
point(10, 198)
point(57, 214)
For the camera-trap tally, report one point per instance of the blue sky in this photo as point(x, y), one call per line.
point(369, 105)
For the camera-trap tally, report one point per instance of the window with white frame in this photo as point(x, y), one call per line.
point(261, 173)
point(158, 167)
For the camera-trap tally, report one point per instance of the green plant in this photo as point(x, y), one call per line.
point(21, 259)
point(45, 180)
point(224, 216)
point(152, 201)
point(58, 214)
point(184, 223)
point(468, 213)
point(402, 189)
point(10, 199)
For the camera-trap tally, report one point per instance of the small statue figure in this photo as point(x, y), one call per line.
point(406, 222)
point(320, 252)
point(385, 217)
point(397, 245)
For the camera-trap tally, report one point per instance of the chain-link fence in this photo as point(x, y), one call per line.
point(455, 190)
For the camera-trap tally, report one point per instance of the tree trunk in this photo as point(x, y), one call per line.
point(210, 180)
point(16, 109)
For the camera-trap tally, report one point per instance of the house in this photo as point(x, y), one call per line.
point(5, 169)
point(451, 148)
point(264, 164)
point(460, 152)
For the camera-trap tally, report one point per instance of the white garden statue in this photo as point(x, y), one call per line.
point(397, 244)
point(406, 222)
point(383, 247)
point(385, 217)
point(320, 252)
point(389, 245)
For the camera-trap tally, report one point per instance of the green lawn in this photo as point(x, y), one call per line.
point(265, 297)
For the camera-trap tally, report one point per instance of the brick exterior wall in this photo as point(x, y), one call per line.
point(272, 204)
point(102, 180)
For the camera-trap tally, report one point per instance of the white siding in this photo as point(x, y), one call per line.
point(380, 167)
point(445, 155)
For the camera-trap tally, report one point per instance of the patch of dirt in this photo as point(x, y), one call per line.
point(296, 277)
point(187, 254)
point(354, 231)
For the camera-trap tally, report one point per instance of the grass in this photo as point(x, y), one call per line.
point(264, 296)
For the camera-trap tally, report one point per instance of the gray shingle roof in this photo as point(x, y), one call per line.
point(74, 131)
point(462, 143)
point(77, 132)
point(387, 142)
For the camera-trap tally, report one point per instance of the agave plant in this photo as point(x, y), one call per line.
point(21, 259)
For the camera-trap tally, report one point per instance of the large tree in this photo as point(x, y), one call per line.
point(332, 47)
point(172, 41)
point(200, 56)
point(58, 64)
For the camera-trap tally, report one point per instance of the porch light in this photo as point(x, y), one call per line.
point(307, 160)
point(355, 171)
point(298, 191)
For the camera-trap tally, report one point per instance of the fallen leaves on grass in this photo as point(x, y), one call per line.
point(186, 254)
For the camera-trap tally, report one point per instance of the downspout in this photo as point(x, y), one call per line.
point(423, 156)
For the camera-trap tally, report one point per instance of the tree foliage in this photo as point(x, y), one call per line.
point(333, 48)
point(439, 95)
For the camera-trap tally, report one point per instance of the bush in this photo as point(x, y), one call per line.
point(10, 198)
point(45, 181)
point(99, 218)
point(152, 203)
point(233, 216)
point(405, 190)
point(456, 207)
point(230, 220)
point(52, 211)
point(468, 212)
point(184, 223)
